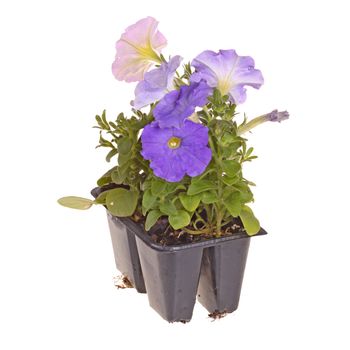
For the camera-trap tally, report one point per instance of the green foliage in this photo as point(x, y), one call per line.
point(250, 222)
point(233, 203)
point(211, 199)
point(190, 203)
point(152, 218)
point(122, 138)
point(107, 177)
point(76, 202)
point(198, 186)
point(121, 202)
point(202, 204)
point(179, 219)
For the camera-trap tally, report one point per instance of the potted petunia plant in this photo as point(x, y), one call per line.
point(176, 198)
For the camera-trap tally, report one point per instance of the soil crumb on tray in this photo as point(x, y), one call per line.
point(122, 282)
point(216, 315)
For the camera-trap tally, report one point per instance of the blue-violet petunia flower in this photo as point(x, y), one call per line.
point(177, 105)
point(156, 83)
point(175, 152)
point(228, 72)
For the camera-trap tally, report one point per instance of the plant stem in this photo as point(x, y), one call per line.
point(196, 232)
point(209, 216)
point(218, 209)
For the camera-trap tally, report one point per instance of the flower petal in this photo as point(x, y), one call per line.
point(192, 134)
point(228, 72)
point(156, 83)
point(137, 49)
point(195, 159)
point(172, 169)
point(177, 105)
point(172, 164)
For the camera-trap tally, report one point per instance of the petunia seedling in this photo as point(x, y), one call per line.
point(178, 158)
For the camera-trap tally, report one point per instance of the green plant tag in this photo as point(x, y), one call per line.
point(121, 202)
point(250, 222)
point(180, 219)
point(76, 202)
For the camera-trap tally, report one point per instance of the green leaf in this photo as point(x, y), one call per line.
point(190, 203)
point(152, 218)
point(168, 208)
point(111, 154)
point(123, 159)
point(231, 167)
point(227, 138)
point(102, 122)
point(106, 178)
point(99, 121)
point(249, 152)
point(209, 197)
point(148, 199)
point(119, 175)
point(76, 202)
point(179, 219)
point(104, 143)
point(229, 180)
point(173, 187)
point(113, 125)
point(104, 119)
point(233, 204)
point(246, 193)
point(250, 222)
point(158, 186)
point(101, 199)
point(121, 202)
point(124, 145)
point(200, 186)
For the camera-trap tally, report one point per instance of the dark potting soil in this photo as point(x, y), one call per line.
point(216, 315)
point(162, 233)
point(122, 282)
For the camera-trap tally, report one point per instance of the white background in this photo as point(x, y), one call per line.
point(57, 265)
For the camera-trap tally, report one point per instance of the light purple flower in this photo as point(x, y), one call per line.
point(137, 49)
point(228, 72)
point(276, 116)
point(173, 152)
point(156, 84)
point(177, 105)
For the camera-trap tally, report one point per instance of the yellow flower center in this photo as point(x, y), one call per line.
point(174, 142)
point(146, 52)
point(224, 85)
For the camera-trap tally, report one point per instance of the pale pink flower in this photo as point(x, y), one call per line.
point(137, 50)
